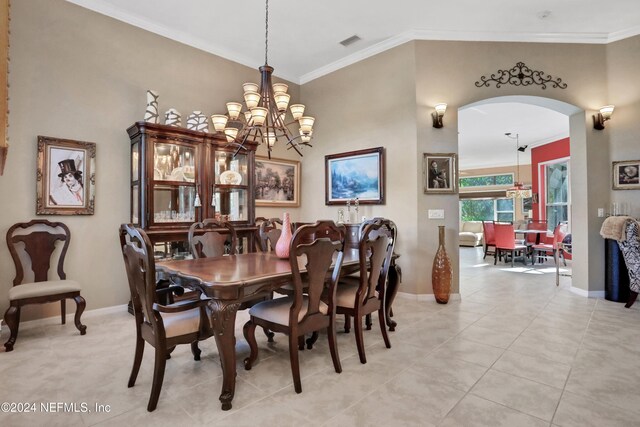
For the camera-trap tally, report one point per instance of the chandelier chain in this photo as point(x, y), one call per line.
point(266, 32)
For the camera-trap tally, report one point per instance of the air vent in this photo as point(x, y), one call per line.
point(350, 40)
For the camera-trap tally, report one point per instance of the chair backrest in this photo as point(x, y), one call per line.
point(489, 233)
point(535, 225)
point(319, 257)
point(269, 234)
point(376, 244)
point(34, 243)
point(137, 252)
point(505, 238)
point(208, 238)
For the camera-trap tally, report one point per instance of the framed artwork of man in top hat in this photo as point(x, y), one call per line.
point(65, 177)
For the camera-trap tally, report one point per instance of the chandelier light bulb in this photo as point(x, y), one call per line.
point(247, 116)
point(270, 139)
point(305, 138)
point(231, 134)
point(250, 87)
point(282, 100)
point(219, 122)
point(252, 99)
point(297, 110)
point(306, 124)
point(280, 87)
point(259, 115)
point(234, 109)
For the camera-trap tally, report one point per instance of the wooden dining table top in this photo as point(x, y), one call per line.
point(232, 277)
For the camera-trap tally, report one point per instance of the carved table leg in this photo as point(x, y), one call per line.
point(223, 319)
point(395, 277)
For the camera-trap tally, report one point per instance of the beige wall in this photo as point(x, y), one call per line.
point(79, 75)
point(623, 63)
point(369, 104)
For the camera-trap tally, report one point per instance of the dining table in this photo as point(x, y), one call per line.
point(525, 232)
point(233, 281)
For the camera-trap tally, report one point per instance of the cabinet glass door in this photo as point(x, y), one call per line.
point(173, 162)
point(231, 170)
point(173, 203)
point(231, 204)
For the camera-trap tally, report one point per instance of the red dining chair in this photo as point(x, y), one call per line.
point(544, 249)
point(488, 232)
point(505, 242)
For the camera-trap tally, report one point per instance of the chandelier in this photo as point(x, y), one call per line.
point(519, 190)
point(264, 119)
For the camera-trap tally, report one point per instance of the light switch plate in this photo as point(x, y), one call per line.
point(600, 212)
point(436, 213)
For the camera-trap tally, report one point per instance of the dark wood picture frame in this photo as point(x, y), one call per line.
point(355, 174)
point(624, 175)
point(65, 177)
point(441, 178)
point(281, 170)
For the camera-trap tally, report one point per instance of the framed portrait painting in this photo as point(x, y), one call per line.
point(277, 182)
point(355, 175)
point(65, 177)
point(440, 173)
point(625, 175)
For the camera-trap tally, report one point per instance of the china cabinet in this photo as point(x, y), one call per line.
point(180, 176)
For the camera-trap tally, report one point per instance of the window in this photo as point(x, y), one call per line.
point(486, 181)
point(486, 210)
point(557, 192)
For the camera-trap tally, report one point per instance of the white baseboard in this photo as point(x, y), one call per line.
point(587, 294)
point(425, 297)
point(56, 319)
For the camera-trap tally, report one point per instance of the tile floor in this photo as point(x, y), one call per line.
point(516, 351)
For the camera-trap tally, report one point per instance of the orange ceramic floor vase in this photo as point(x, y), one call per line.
point(441, 272)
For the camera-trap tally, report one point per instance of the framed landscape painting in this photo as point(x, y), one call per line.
point(277, 182)
point(65, 178)
point(355, 175)
point(625, 175)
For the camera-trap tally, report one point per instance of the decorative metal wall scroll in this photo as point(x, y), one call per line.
point(521, 75)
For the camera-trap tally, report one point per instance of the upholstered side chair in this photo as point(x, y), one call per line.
point(164, 326)
point(304, 312)
point(33, 245)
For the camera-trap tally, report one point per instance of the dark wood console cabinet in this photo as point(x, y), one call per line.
point(172, 168)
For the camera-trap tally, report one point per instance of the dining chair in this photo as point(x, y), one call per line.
point(488, 232)
point(307, 310)
point(544, 249)
point(269, 233)
point(33, 245)
point(533, 239)
point(256, 234)
point(365, 294)
point(212, 238)
point(163, 326)
point(505, 242)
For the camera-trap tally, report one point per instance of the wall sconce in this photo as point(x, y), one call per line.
point(604, 115)
point(438, 114)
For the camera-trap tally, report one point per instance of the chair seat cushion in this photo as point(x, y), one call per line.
point(277, 310)
point(182, 323)
point(346, 292)
point(39, 289)
point(543, 247)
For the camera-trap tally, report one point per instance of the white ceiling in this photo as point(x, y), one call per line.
point(304, 38)
point(481, 132)
point(304, 35)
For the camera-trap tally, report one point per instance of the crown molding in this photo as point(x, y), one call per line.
point(624, 34)
point(174, 35)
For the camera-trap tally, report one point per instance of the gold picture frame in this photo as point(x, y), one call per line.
point(277, 182)
point(65, 177)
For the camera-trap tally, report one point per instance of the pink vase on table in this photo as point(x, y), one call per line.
point(283, 243)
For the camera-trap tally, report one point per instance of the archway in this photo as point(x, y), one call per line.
point(578, 165)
